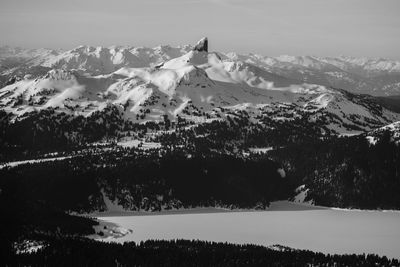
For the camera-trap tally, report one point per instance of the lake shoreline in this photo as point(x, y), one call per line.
point(295, 225)
point(281, 205)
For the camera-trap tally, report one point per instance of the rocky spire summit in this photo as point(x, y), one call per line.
point(202, 45)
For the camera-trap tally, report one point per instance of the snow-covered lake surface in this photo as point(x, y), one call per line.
point(289, 224)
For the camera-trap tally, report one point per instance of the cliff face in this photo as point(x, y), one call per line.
point(202, 45)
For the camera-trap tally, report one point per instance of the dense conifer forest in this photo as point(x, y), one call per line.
point(148, 181)
point(208, 164)
point(84, 252)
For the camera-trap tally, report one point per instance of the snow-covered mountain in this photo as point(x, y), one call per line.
point(88, 59)
point(377, 77)
point(391, 131)
point(187, 82)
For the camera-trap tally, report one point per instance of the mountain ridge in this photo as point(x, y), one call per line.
point(375, 76)
point(198, 86)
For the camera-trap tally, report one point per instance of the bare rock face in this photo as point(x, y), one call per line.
point(202, 45)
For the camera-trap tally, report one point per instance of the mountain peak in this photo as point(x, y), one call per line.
point(202, 45)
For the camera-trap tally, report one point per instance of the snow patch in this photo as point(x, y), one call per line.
point(111, 206)
point(372, 140)
point(261, 150)
point(31, 161)
point(107, 231)
point(130, 143)
point(281, 172)
point(301, 194)
point(28, 246)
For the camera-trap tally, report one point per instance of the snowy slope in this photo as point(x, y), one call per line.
point(359, 75)
point(392, 130)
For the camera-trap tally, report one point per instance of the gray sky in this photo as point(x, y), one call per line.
point(271, 27)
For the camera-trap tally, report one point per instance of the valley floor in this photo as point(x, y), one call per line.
point(289, 224)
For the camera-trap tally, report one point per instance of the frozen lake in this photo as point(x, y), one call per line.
point(288, 224)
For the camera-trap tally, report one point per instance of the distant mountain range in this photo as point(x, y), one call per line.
point(190, 83)
point(378, 77)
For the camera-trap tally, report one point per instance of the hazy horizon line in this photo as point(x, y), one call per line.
point(63, 49)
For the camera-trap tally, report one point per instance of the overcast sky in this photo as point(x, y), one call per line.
point(270, 27)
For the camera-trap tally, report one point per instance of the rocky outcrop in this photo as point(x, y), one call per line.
point(202, 45)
